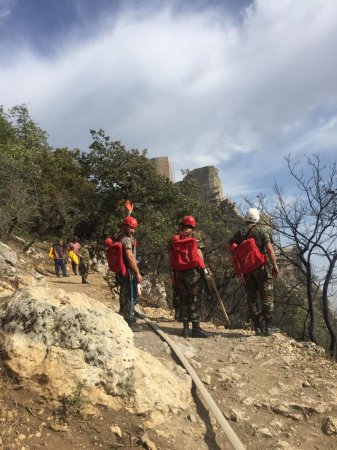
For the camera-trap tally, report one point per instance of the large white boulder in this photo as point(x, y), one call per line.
point(59, 342)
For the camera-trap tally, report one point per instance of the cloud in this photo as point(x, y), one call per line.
point(5, 10)
point(195, 85)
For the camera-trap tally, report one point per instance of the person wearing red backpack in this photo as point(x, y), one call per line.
point(186, 260)
point(255, 269)
point(124, 263)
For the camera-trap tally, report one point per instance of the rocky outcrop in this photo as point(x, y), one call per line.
point(59, 342)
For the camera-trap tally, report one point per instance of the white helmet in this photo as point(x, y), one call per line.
point(252, 215)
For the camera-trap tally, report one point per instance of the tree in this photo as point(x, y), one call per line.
point(309, 223)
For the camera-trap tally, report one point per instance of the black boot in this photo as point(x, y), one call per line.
point(269, 328)
point(186, 330)
point(257, 326)
point(197, 332)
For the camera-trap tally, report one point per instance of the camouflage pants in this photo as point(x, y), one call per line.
point(260, 283)
point(83, 269)
point(128, 295)
point(188, 284)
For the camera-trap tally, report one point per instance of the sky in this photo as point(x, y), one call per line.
point(234, 83)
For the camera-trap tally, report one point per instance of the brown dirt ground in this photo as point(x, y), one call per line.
point(246, 375)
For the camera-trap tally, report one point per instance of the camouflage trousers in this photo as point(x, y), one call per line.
point(128, 295)
point(188, 284)
point(260, 283)
point(83, 269)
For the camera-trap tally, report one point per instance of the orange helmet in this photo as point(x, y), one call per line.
point(108, 242)
point(189, 221)
point(130, 222)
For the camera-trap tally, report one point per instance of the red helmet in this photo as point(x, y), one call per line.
point(130, 222)
point(108, 242)
point(189, 221)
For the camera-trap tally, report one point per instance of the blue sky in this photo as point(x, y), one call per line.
point(237, 84)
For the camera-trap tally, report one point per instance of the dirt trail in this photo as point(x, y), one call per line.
point(276, 394)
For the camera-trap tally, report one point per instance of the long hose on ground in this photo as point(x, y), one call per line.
point(230, 433)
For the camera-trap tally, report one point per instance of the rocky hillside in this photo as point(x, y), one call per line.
point(74, 376)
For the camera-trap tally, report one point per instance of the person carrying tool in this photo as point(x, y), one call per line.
point(249, 247)
point(121, 254)
point(187, 262)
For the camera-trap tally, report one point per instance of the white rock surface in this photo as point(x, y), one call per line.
point(59, 341)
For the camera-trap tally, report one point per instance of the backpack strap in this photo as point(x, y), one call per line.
point(248, 233)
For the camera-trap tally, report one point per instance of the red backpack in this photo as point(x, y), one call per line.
point(185, 253)
point(115, 258)
point(246, 256)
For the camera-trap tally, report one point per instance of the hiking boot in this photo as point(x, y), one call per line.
point(85, 282)
point(58, 275)
point(269, 329)
point(257, 326)
point(197, 332)
point(186, 330)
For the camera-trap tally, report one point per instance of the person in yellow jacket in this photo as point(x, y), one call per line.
point(74, 250)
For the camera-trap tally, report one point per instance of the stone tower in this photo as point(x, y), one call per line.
point(209, 182)
point(163, 166)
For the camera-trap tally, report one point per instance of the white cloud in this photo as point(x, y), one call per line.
point(198, 87)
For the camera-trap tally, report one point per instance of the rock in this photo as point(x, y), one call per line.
point(87, 410)
point(264, 432)
point(207, 379)
point(282, 445)
point(7, 255)
point(195, 364)
point(276, 424)
point(147, 443)
point(285, 410)
point(116, 430)
point(281, 409)
point(58, 427)
point(248, 401)
point(329, 426)
point(68, 346)
point(235, 415)
point(28, 280)
point(308, 410)
point(192, 418)
point(6, 289)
